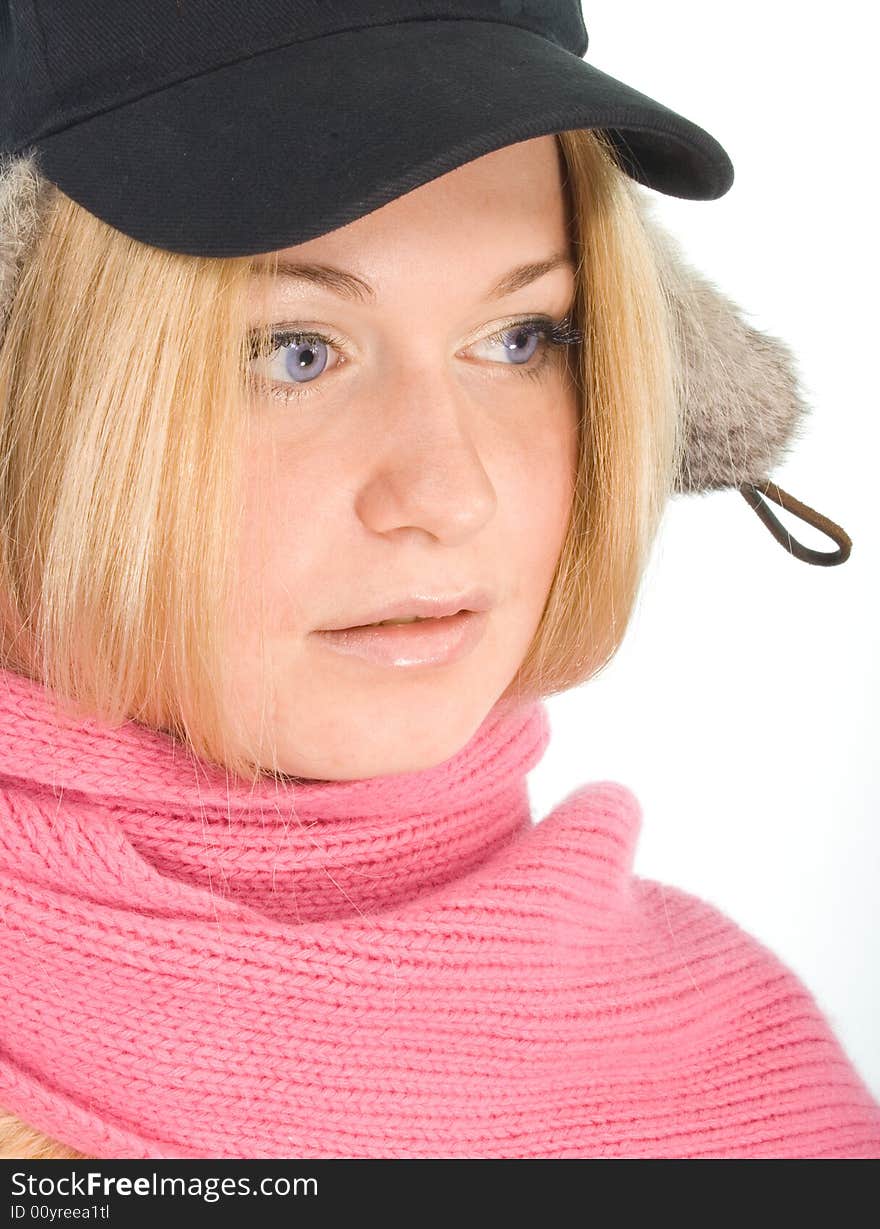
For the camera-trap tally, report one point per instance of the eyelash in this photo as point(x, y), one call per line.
point(558, 336)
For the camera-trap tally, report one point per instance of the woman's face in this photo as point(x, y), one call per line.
point(421, 457)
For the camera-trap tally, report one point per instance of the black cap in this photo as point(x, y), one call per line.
point(233, 127)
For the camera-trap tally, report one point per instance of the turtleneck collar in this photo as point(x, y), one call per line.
point(294, 850)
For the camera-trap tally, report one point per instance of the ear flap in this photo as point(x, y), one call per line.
point(739, 395)
point(21, 190)
point(739, 391)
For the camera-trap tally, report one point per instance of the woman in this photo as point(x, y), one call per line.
point(271, 885)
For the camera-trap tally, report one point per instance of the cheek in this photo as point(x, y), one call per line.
point(539, 494)
point(273, 548)
point(551, 461)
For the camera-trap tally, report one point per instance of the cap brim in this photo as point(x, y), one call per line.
point(292, 143)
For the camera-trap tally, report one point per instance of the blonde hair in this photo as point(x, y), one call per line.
point(122, 437)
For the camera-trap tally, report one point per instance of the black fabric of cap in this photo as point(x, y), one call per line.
point(230, 128)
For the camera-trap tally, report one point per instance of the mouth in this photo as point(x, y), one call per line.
point(416, 641)
point(418, 608)
point(407, 622)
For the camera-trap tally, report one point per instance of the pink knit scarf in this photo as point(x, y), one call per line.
point(404, 966)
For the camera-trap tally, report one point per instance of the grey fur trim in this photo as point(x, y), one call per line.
point(738, 387)
point(23, 192)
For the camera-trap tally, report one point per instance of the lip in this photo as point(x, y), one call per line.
point(425, 607)
point(435, 641)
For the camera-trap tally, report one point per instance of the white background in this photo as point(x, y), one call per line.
point(742, 707)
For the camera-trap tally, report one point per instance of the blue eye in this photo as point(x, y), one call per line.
point(306, 360)
point(304, 354)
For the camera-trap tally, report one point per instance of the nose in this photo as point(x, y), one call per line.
point(425, 471)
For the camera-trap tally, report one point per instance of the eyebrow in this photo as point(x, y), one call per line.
point(349, 286)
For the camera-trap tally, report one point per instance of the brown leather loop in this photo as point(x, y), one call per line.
point(752, 494)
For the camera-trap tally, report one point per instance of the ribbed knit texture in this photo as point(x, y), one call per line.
point(404, 966)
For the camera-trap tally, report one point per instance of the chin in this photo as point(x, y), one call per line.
point(412, 746)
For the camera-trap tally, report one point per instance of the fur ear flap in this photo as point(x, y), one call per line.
point(739, 394)
point(22, 190)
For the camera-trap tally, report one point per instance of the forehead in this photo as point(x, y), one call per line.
point(497, 218)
